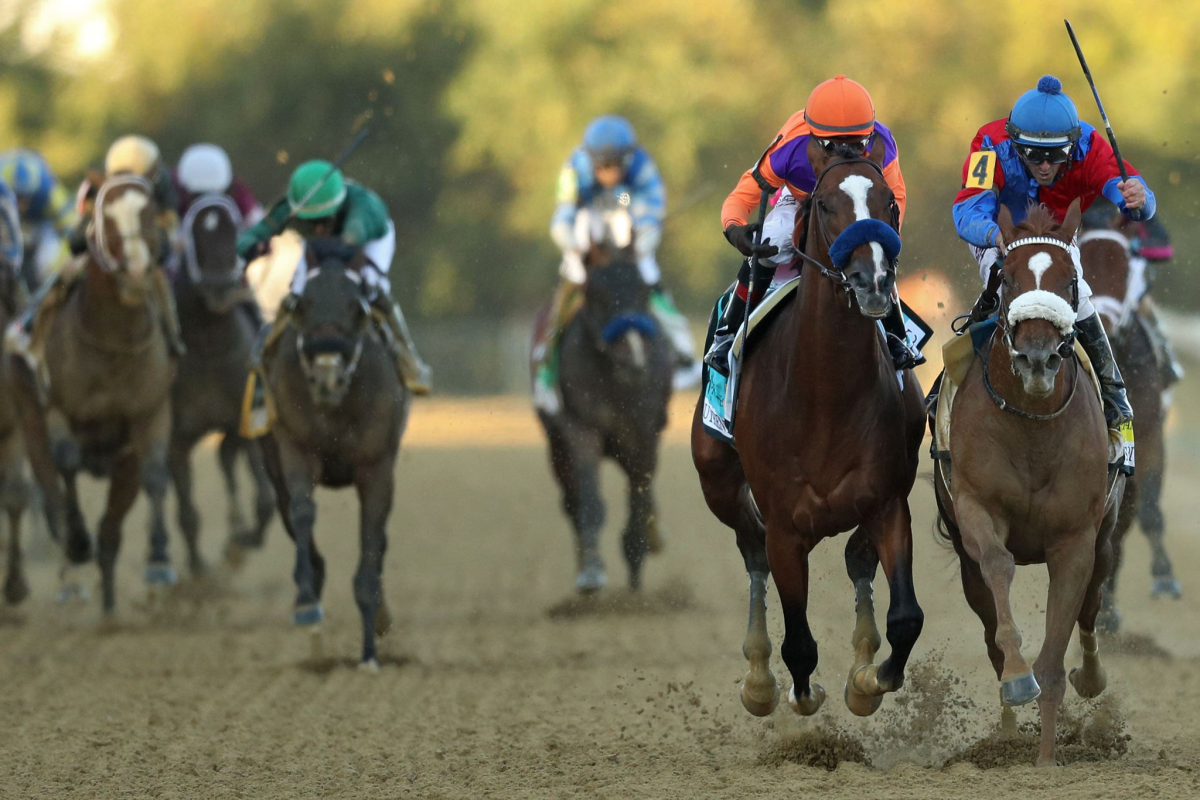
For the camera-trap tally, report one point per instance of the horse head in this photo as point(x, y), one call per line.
point(124, 237)
point(210, 228)
point(332, 318)
point(1107, 255)
point(1040, 295)
point(851, 219)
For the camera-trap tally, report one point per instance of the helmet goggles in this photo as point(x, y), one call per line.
point(1055, 154)
point(845, 146)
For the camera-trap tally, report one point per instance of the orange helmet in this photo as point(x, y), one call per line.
point(840, 107)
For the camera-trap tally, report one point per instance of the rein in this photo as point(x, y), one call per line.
point(351, 366)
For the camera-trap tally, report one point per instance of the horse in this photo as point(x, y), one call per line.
point(107, 405)
point(14, 484)
point(340, 410)
point(219, 319)
point(1106, 254)
point(827, 439)
point(615, 371)
point(1028, 478)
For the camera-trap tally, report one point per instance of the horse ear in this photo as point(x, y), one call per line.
point(817, 155)
point(1006, 223)
point(1070, 226)
point(878, 151)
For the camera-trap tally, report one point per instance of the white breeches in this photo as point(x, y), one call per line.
point(379, 253)
point(780, 226)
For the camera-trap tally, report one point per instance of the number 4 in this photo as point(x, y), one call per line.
point(981, 170)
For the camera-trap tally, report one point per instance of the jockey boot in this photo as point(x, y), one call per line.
point(985, 307)
point(164, 302)
point(679, 333)
point(1164, 354)
point(567, 297)
point(717, 356)
point(1090, 332)
point(415, 373)
point(904, 355)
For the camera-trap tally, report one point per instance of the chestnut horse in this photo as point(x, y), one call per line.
point(1028, 476)
point(828, 439)
point(1107, 255)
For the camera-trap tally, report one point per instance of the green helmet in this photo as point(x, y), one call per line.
point(316, 190)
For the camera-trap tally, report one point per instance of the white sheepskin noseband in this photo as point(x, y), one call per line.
point(1041, 304)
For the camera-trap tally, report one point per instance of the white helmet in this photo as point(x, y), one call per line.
point(204, 169)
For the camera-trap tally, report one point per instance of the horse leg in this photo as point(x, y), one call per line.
point(575, 454)
point(1071, 569)
point(14, 493)
point(375, 487)
point(227, 453)
point(179, 464)
point(264, 495)
point(892, 537)
point(788, 555)
point(301, 515)
point(639, 466)
point(983, 540)
point(1108, 619)
point(67, 458)
point(150, 440)
point(1090, 679)
point(861, 562)
point(1153, 525)
point(122, 492)
point(723, 483)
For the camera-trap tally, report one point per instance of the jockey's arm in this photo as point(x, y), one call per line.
point(261, 232)
point(975, 209)
point(648, 208)
point(60, 210)
point(1102, 173)
point(895, 181)
point(566, 204)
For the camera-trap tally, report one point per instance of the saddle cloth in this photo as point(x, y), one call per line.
point(957, 356)
point(718, 391)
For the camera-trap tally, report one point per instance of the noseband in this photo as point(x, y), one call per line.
point(351, 365)
point(205, 203)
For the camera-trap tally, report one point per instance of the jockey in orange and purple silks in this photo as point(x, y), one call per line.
point(837, 121)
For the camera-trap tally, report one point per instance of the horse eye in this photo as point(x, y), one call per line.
point(821, 205)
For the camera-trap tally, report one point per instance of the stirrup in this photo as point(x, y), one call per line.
point(903, 356)
point(717, 356)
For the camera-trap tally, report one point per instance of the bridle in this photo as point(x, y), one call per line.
point(98, 244)
point(1066, 348)
point(350, 367)
point(204, 203)
point(832, 272)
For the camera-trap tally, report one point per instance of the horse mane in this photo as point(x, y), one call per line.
point(1040, 222)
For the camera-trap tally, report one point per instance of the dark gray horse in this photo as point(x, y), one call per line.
point(340, 410)
point(219, 319)
point(615, 380)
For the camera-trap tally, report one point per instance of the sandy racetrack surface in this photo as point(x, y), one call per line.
point(496, 682)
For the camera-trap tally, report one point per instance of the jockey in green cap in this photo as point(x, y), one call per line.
point(322, 202)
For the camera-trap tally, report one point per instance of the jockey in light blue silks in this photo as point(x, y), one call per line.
point(12, 250)
point(610, 171)
point(46, 212)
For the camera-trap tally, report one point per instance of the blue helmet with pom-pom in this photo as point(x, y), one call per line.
point(1044, 117)
point(609, 139)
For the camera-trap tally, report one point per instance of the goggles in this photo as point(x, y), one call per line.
point(846, 148)
point(1059, 154)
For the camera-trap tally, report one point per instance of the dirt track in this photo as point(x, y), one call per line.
point(497, 683)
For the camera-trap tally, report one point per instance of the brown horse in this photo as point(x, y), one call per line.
point(14, 484)
point(1028, 476)
point(1107, 258)
point(827, 440)
point(107, 408)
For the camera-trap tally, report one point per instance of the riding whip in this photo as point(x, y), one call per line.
point(1135, 214)
point(333, 167)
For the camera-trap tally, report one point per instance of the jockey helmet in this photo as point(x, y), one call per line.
point(204, 169)
point(840, 107)
point(609, 140)
point(1044, 124)
point(316, 190)
point(135, 154)
point(24, 171)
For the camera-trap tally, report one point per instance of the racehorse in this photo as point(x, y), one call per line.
point(340, 410)
point(14, 485)
point(1028, 476)
point(109, 371)
point(219, 319)
point(615, 379)
point(1107, 259)
point(828, 439)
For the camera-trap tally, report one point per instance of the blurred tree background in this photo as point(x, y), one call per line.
point(474, 105)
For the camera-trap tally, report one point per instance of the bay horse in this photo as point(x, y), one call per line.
point(1028, 478)
point(340, 410)
point(14, 483)
point(109, 368)
point(615, 371)
point(827, 439)
point(219, 319)
point(1106, 254)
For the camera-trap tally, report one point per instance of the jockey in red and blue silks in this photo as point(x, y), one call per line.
point(46, 208)
point(1042, 153)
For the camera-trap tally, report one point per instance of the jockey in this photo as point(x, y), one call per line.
point(1044, 154)
point(838, 121)
point(11, 244)
point(610, 169)
point(322, 202)
point(128, 155)
point(46, 212)
point(206, 169)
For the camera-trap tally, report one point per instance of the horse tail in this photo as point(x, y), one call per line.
point(944, 532)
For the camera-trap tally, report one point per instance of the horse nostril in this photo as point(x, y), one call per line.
point(1053, 361)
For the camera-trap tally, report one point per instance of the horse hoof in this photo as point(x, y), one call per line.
point(656, 540)
point(383, 620)
point(369, 667)
point(808, 703)
point(198, 567)
point(754, 692)
point(861, 705)
point(1019, 690)
point(591, 580)
point(1166, 587)
point(312, 614)
point(1108, 621)
point(16, 590)
point(160, 575)
point(1088, 686)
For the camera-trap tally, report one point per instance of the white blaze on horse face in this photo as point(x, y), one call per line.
point(857, 186)
point(637, 348)
point(126, 212)
point(210, 221)
point(1038, 264)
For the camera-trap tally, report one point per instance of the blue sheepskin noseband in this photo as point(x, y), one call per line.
point(863, 232)
point(619, 326)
